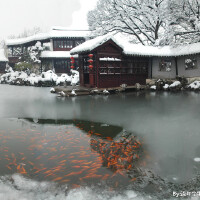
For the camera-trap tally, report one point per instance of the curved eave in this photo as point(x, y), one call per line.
point(159, 55)
point(67, 37)
point(56, 55)
point(26, 43)
point(80, 52)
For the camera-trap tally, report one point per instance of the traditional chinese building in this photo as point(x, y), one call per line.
point(3, 61)
point(57, 43)
point(109, 61)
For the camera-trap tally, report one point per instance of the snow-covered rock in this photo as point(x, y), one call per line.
point(52, 90)
point(63, 78)
point(106, 92)
point(153, 87)
point(195, 85)
point(197, 159)
point(175, 84)
point(73, 93)
point(166, 86)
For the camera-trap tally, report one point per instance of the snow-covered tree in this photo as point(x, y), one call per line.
point(143, 19)
point(30, 58)
point(185, 20)
point(35, 52)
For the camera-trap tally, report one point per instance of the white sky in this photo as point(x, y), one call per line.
point(19, 15)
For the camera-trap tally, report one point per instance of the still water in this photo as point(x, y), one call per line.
point(141, 145)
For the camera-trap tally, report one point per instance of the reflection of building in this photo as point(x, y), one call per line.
point(3, 61)
point(57, 44)
point(117, 61)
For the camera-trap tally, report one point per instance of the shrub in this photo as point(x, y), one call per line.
point(23, 66)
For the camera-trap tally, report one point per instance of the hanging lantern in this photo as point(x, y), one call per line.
point(90, 55)
point(72, 62)
point(90, 61)
point(90, 66)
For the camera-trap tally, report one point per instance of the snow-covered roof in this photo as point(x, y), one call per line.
point(60, 33)
point(137, 49)
point(19, 41)
point(2, 56)
point(56, 54)
point(93, 43)
point(54, 33)
point(140, 50)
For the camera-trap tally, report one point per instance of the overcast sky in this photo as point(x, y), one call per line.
point(19, 15)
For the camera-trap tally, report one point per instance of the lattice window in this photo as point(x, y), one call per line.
point(190, 63)
point(69, 44)
point(17, 51)
point(62, 66)
point(63, 44)
point(165, 65)
point(109, 68)
point(134, 67)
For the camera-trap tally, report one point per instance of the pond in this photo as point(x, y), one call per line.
point(140, 145)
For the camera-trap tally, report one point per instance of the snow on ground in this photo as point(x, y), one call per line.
point(21, 78)
point(19, 187)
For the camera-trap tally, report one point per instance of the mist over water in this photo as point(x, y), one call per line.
point(168, 124)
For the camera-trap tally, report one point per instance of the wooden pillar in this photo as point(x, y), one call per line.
point(176, 64)
point(151, 67)
point(97, 69)
point(22, 49)
point(41, 67)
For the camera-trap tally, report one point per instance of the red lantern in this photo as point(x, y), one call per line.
point(72, 67)
point(90, 61)
point(90, 66)
point(72, 61)
point(90, 55)
point(72, 58)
